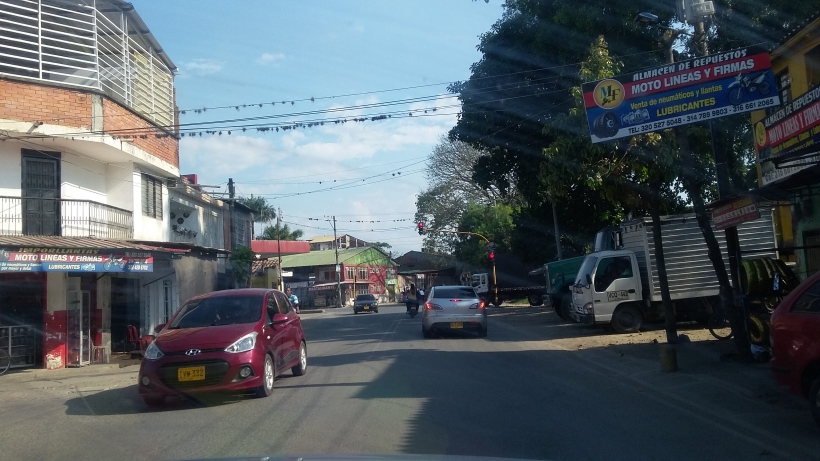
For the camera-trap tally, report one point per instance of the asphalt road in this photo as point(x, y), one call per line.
point(375, 386)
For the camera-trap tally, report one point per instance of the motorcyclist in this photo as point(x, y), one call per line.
point(412, 297)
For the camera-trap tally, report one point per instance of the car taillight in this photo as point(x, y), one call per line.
point(482, 304)
point(431, 306)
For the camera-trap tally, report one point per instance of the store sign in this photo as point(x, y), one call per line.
point(738, 212)
point(679, 94)
point(79, 261)
point(792, 131)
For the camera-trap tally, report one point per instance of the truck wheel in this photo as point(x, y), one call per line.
point(536, 300)
point(627, 319)
point(566, 307)
point(558, 311)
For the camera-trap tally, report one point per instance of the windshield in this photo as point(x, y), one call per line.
point(218, 310)
point(453, 293)
point(365, 298)
point(587, 268)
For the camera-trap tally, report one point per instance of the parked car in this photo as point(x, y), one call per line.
point(231, 340)
point(795, 340)
point(365, 303)
point(453, 308)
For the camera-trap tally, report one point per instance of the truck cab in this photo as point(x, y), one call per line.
point(608, 290)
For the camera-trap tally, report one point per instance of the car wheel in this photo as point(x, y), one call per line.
point(266, 388)
point(627, 319)
point(566, 307)
point(301, 367)
point(482, 333)
point(425, 332)
point(814, 398)
point(154, 401)
point(535, 300)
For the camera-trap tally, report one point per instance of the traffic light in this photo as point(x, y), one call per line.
point(491, 251)
point(421, 228)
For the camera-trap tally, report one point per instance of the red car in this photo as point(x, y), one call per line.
point(795, 330)
point(232, 340)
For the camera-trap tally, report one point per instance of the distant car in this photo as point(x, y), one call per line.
point(231, 340)
point(365, 303)
point(451, 309)
point(795, 331)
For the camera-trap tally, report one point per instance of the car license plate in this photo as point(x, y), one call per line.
point(367, 308)
point(456, 325)
point(191, 374)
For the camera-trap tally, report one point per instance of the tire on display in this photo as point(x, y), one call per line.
point(268, 377)
point(814, 399)
point(154, 401)
point(566, 306)
point(301, 367)
point(720, 327)
point(627, 319)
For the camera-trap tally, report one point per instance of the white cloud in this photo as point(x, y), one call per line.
point(218, 156)
point(200, 67)
point(269, 58)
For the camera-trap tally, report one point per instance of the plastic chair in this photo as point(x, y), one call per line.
point(100, 354)
point(133, 337)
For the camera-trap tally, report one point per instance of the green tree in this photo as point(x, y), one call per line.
point(493, 222)
point(241, 260)
point(282, 233)
point(263, 212)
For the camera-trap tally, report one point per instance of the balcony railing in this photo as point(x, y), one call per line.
point(64, 217)
point(95, 46)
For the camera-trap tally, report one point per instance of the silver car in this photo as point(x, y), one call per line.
point(453, 308)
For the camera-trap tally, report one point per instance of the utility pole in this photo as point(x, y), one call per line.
point(279, 245)
point(232, 243)
point(338, 269)
point(557, 233)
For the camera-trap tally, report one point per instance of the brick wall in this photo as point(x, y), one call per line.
point(117, 117)
point(31, 102)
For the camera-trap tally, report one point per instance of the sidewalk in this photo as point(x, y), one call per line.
point(119, 364)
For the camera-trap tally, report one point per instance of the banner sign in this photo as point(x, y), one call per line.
point(742, 210)
point(28, 261)
point(792, 131)
point(679, 94)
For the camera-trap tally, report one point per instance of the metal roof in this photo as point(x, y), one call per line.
point(325, 257)
point(72, 243)
point(322, 239)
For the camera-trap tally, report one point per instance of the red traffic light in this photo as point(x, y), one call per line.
point(421, 228)
point(491, 255)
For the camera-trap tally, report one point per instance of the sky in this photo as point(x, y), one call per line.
point(320, 61)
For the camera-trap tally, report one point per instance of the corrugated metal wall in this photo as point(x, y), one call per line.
point(690, 271)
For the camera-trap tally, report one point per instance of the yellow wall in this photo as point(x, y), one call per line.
point(268, 279)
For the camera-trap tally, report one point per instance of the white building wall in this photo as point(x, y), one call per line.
point(119, 185)
point(146, 227)
point(11, 170)
point(82, 178)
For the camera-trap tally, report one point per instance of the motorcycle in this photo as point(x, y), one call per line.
point(414, 309)
point(746, 84)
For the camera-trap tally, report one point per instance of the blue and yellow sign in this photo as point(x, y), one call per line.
point(679, 94)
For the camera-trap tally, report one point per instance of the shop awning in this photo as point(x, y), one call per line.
point(73, 254)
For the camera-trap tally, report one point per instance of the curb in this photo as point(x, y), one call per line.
point(98, 370)
point(311, 311)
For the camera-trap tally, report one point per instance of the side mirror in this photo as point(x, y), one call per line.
point(159, 328)
point(279, 319)
point(589, 280)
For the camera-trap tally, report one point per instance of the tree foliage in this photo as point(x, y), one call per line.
point(283, 232)
point(241, 260)
point(263, 212)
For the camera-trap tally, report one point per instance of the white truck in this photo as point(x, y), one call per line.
point(621, 287)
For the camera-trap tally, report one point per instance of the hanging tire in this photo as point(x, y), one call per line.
point(758, 330)
point(268, 377)
point(627, 319)
point(301, 368)
point(566, 307)
point(814, 399)
point(764, 88)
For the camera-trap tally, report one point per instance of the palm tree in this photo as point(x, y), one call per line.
point(270, 233)
point(263, 211)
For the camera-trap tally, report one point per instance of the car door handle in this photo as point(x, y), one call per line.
point(631, 290)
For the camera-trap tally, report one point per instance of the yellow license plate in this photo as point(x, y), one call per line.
point(191, 374)
point(367, 308)
point(456, 325)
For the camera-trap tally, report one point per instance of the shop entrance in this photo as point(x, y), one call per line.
point(22, 299)
point(125, 311)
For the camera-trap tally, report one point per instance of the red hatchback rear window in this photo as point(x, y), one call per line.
point(809, 301)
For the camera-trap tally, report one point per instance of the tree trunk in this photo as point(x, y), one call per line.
point(690, 183)
point(668, 309)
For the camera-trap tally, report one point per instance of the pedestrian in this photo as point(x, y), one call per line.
point(293, 299)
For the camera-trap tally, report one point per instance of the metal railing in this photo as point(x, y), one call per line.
point(85, 46)
point(64, 217)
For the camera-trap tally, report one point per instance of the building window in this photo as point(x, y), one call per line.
point(151, 197)
point(391, 272)
point(349, 272)
point(363, 273)
point(362, 290)
point(784, 86)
